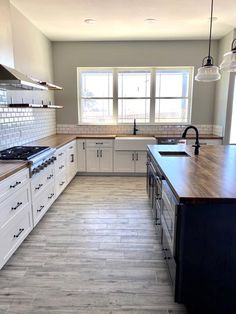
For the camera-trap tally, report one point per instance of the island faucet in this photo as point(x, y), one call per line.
point(135, 129)
point(197, 144)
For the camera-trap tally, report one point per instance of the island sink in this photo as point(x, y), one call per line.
point(173, 154)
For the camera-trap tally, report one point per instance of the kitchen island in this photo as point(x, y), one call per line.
point(194, 200)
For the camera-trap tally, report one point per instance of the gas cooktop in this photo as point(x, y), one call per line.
point(22, 152)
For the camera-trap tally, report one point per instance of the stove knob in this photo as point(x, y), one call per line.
point(45, 164)
point(37, 169)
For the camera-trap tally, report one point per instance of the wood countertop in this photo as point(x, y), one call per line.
point(8, 168)
point(209, 177)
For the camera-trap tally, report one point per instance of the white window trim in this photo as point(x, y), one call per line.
point(153, 70)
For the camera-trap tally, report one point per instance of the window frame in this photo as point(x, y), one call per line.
point(153, 98)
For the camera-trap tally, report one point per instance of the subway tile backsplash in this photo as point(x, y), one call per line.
point(21, 125)
point(143, 129)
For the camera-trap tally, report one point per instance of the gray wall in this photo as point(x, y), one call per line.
point(222, 86)
point(67, 56)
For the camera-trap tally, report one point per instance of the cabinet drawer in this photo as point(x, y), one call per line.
point(60, 163)
point(13, 183)
point(43, 202)
point(14, 204)
point(60, 183)
point(12, 235)
point(39, 181)
point(99, 143)
point(71, 146)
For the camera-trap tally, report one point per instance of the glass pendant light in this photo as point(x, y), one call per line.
point(208, 71)
point(229, 61)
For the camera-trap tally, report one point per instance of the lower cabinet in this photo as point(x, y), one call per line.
point(81, 155)
point(43, 201)
point(99, 155)
point(15, 213)
point(130, 161)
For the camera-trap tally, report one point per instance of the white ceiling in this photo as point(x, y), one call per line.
point(124, 19)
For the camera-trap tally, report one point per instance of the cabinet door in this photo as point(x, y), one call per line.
point(106, 159)
point(81, 158)
point(124, 161)
point(92, 155)
point(71, 161)
point(140, 162)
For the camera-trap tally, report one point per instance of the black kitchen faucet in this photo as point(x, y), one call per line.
point(197, 144)
point(135, 129)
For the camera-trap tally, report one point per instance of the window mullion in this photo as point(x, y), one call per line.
point(153, 94)
point(115, 96)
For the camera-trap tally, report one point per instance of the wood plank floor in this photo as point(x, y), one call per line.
point(96, 251)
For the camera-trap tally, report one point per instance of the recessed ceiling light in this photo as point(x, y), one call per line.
point(89, 21)
point(150, 21)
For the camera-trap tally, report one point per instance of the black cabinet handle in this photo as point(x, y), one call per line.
point(14, 185)
point(20, 231)
point(39, 186)
point(62, 183)
point(70, 147)
point(99, 143)
point(61, 167)
point(61, 154)
point(51, 196)
point(40, 209)
point(72, 158)
point(49, 177)
point(17, 205)
point(83, 145)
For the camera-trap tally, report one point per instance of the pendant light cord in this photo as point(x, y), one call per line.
point(209, 50)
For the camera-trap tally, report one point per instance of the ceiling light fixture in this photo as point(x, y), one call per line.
point(208, 72)
point(229, 60)
point(89, 21)
point(150, 21)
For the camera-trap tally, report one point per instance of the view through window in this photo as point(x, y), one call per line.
point(150, 95)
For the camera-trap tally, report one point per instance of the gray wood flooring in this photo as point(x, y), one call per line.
point(96, 251)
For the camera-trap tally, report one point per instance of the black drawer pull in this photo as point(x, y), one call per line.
point(39, 186)
point(14, 185)
point(20, 231)
point(17, 205)
point(63, 182)
point(61, 167)
point(40, 209)
point(70, 147)
point(61, 154)
point(51, 196)
point(49, 177)
point(99, 143)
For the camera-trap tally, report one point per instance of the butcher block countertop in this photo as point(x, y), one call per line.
point(58, 140)
point(209, 177)
point(8, 168)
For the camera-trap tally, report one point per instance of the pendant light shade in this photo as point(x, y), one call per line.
point(208, 71)
point(229, 60)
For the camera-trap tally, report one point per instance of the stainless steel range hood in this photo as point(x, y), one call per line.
point(12, 79)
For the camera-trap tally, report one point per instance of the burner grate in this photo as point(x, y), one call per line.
point(22, 152)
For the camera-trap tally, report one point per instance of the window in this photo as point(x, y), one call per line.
point(96, 96)
point(172, 101)
point(134, 96)
point(149, 95)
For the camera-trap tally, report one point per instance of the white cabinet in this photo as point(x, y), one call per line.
point(43, 192)
point(130, 161)
point(81, 156)
point(15, 213)
point(71, 161)
point(141, 162)
point(65, 166)
point(99, 155)
point(124, 161)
